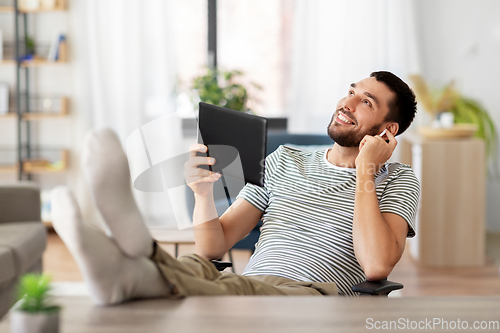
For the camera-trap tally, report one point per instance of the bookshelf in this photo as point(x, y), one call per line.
point(26, 107)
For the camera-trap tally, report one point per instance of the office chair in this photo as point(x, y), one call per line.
point(365, 288)
point(274, 140)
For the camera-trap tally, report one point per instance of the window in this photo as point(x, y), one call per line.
point(253, 36)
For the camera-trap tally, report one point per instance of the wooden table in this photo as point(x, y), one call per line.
point(173, 236)
point(272, 314)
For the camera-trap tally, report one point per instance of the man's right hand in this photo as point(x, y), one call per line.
point(214, 236)
point(201, 181)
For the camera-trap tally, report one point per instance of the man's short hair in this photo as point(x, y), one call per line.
point(403, 107)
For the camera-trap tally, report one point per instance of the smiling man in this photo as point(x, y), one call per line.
point(331, 218)
point(380, 102)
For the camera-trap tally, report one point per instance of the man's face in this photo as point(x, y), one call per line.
point(361, 112)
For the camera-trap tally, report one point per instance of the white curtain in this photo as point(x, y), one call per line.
point(124, 75)
point(338, 42)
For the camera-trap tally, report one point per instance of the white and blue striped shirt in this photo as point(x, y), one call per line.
point(308, 209)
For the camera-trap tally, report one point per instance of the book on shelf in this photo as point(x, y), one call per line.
point(55, 47)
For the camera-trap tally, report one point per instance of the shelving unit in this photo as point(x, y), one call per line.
point(25, 107)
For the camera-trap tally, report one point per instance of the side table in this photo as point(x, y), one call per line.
point(451, 216)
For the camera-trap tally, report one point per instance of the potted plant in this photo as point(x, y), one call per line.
point(465, 111)
point(29, 49)
point(222, 88)
point(34, 312)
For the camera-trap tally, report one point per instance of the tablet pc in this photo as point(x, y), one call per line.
point(229, 134)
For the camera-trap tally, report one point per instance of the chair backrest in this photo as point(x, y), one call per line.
point(276, 140)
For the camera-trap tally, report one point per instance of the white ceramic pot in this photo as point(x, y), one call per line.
point(447, 119)
point(24, 322)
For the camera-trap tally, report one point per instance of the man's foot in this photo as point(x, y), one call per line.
point(106, 171)
point(112, 277)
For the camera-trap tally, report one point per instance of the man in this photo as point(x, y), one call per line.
point(330, 218)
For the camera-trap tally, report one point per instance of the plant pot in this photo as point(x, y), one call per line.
point(25, 322)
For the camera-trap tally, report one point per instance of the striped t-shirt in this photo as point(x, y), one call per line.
point(308, 209)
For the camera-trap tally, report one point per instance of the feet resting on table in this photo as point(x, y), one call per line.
point(115, 268)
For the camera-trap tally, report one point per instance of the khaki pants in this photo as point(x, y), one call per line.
point(193, 275)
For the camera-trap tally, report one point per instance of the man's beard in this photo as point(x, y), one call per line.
point(348, 138)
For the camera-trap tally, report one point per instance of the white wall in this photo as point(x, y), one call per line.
point(460, 40)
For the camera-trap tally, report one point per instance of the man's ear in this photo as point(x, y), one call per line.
point(393, 128)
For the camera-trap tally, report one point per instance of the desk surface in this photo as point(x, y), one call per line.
point(272, 314)
point(173, 235)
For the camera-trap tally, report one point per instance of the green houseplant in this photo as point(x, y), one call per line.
point(465, 111)
point(222, 88)
point(34, 311)
point(30, 46)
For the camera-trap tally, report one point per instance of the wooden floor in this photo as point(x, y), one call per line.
point(58, 262)
point(418, 280)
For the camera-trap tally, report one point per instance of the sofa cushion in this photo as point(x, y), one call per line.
point(7, 267)
point(26, 240)
point(19, 202)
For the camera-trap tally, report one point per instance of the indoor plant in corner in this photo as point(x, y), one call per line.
point(34, 312)
point(465, 111)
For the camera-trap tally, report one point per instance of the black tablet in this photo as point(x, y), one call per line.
point(229, 134)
